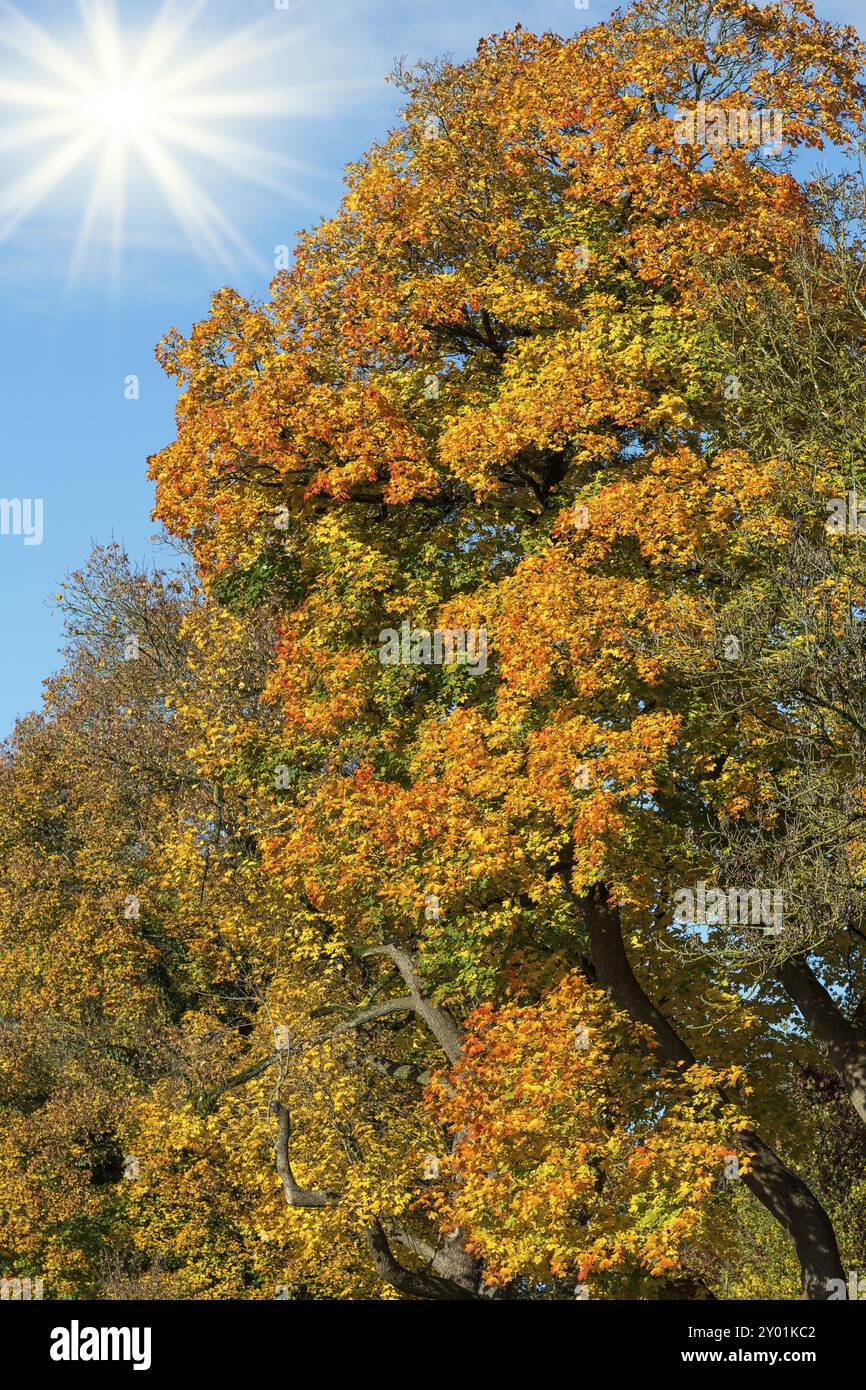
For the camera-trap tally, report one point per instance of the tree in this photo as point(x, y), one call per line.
point(459, 497)
point(500, 335)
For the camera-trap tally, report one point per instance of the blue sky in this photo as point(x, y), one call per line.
point(307, 96)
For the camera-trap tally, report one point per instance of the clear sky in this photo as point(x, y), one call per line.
point(126, 200)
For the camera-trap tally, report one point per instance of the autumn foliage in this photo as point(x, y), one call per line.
point(403, 1009)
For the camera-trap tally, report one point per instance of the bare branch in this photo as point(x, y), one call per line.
point(399, 1071)
point(388, 1006)
point(208, 1098)
point(295, 1196)
point(440, 1022)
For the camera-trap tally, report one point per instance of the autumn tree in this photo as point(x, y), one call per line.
point(467, 499)
point(490, 395)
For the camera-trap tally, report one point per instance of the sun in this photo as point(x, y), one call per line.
point(123, 112)
point(142, 107)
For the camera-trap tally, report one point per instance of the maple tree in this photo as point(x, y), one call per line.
point(405, 1009)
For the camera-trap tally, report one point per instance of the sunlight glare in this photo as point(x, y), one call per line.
point(123, 111)
point(122, 102)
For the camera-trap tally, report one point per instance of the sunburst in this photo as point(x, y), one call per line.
point(120, 107)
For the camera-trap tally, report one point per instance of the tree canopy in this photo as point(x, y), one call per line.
point(344, 941)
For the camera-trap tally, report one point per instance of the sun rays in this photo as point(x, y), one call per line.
point(122, 111)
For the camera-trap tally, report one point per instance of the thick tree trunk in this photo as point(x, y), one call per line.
point(461, 1281)
point(784, 1195)
point(453, 1262)
point(844, 1044)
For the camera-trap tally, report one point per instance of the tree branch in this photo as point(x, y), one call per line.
point(413, 1283)
point(844, 1044)
point(295, 1196)
point(440, 1022)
